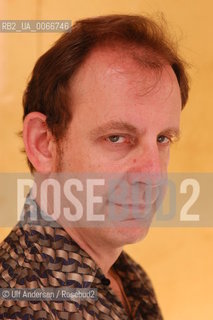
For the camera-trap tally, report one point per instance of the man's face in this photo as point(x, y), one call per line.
point(123, 118)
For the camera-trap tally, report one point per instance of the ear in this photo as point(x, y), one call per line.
point(39, 142)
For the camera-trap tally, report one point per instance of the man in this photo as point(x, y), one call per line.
point(105, 100)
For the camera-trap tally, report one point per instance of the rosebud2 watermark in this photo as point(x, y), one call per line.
point(88, 200)
point(49, 293)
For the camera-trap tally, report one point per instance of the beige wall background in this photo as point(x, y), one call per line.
point(178, 260)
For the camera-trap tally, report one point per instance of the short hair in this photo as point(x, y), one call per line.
point(46, 91)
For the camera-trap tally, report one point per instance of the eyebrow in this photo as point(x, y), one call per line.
point(121, 125)
point(174, 132)
point(113, 125)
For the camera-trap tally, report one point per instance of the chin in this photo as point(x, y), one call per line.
point(131, 234)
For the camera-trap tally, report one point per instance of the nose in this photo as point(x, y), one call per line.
point(147, 165)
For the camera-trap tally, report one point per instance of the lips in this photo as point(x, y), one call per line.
point(138, 209)
point(131, 212)
point(132, 205)
point(134, 199)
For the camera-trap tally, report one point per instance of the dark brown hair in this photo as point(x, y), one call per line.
point(46, 91)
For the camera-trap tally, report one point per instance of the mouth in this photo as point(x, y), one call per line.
point(133, 211)
point(134, 206)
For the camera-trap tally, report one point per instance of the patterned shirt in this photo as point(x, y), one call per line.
point(41, 255)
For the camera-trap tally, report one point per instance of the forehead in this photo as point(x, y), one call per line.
point(113, 75)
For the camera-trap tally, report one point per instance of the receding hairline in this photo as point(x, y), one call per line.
point(143, 56)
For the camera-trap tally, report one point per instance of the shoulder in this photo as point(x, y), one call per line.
point(12, 257)
point(26, 262)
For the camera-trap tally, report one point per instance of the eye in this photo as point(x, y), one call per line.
point(116, 139)
point(164, 140)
